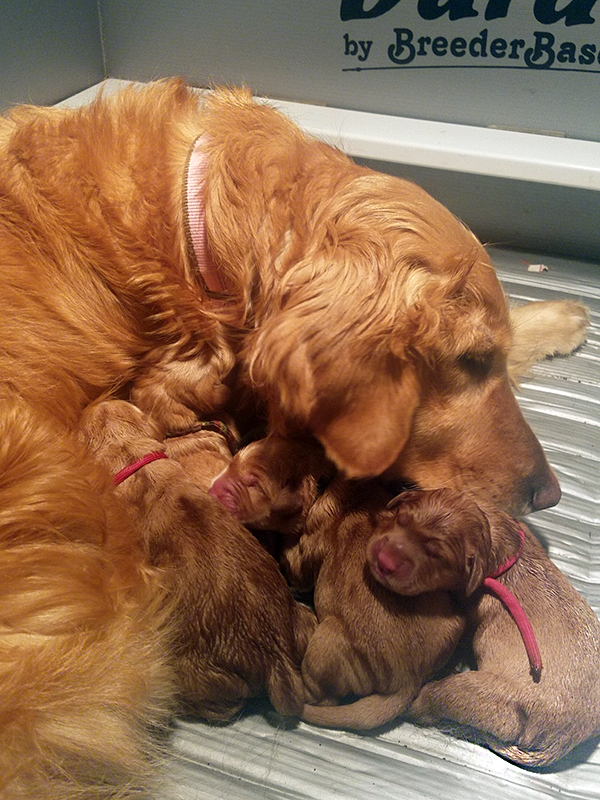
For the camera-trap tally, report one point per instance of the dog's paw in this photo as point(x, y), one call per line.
point(558, 326)
point(569, 322)
point(545, 329)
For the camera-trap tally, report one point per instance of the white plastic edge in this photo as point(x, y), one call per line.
point(461, 148)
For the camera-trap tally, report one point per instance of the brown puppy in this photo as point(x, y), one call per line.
point(533, 720)
point(369, 642)
point(272, 483)
point(239, 629)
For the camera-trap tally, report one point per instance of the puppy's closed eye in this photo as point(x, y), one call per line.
point(433, 548)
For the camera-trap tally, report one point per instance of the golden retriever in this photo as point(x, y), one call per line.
point(354, 305)
point(358, 307)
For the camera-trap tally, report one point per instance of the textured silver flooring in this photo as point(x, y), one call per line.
point(252, 759)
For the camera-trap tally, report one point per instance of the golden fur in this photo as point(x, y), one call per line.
point(84, 674)
point(350, 294)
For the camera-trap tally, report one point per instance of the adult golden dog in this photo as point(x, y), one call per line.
point(354, 305)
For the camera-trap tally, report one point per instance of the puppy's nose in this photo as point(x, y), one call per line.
point(391, 559)
point(221, 491)
point(546, 494)
point(388, 559)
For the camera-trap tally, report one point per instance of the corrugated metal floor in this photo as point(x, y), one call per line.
point(253, 759)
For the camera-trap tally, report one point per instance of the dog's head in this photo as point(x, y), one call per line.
point(389, 338)
point(430, 541)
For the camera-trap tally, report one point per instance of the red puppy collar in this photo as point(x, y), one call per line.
point(516, 610)
point(124, 473)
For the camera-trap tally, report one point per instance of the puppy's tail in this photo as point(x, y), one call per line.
point(83, 672)
point(285, 686)
point(364, 714)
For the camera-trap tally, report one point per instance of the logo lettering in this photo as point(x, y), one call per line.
point(575, 12)
point(456, 9)
point(541, 55)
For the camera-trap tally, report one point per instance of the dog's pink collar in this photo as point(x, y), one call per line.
point(516, 610)
point(195, 217)
point(124, 473)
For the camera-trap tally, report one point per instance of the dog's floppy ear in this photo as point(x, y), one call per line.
point(359, 405)
point(365, 435)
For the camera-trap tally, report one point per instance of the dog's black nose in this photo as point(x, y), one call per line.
point(547, 494)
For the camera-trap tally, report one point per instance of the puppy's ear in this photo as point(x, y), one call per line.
point(478, 546)
point(475, 573)
point(365, 435)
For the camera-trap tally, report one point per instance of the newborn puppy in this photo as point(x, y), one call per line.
point(442, 543)
point(531, 720)
point(272, 483)
point(238, 631)
point(370, 642)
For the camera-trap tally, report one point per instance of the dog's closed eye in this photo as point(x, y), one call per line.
point(476, 365)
